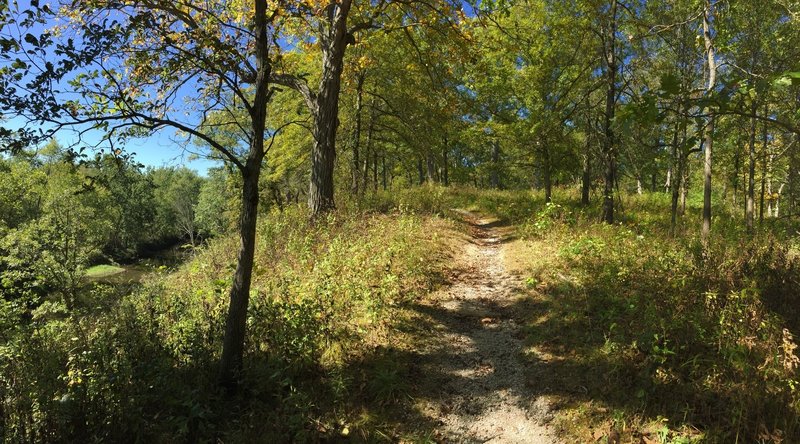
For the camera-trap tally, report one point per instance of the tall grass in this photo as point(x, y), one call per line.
point(143, 368)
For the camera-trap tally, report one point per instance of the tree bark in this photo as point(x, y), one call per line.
point(586, 179)
point(383, 171)
point(793, 179)
point(430, 171)
point(547, 172)
point(674, 180)
point(751, 179)
point(763, 168)
point(326, 118)
point(709, 135)
point(609, 150)
point(445, 166)
point(494, 175)
point(368, 149)
point(736, 167)
point(375, 171)
point(357, 133)
point(236, 322)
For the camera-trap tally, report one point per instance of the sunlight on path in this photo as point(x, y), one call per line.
point(472, 365)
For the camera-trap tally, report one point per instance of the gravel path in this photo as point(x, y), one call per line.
point(471, 362)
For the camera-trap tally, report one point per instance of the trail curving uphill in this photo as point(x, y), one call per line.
point(470, 363)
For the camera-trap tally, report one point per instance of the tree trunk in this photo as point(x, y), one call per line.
point(357, 133)
point(763, 168)
point(751, 179)
point(586, 179)
point(684, 183)
point(430, 171)
point(445, 166)
point(547, 173)
point(494, 176)
point(736, 167)
point(236, 322)
point(709, 136)
point(375, 171)
point(421, 171)
point(639, 184)
point(326, 118)
point(609, 148)
point(383, 171)
point(368, 150)
point(673, 180)
point(793, 179)
point(233, 343)
point(684, 165)
point(668, 182)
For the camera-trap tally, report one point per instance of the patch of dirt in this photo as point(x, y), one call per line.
point(469, 371)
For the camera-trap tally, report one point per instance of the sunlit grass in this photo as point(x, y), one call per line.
point(103, 270)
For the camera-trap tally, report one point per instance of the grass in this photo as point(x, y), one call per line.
point(647, 335)
point(325, 302)
point(103, 270)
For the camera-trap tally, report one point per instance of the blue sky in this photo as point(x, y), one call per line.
point(161, 149)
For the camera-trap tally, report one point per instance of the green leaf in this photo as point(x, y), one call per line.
point(30, 38)
point(670, 84)
point(19, 64)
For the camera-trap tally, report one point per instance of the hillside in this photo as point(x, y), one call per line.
point(430, 321)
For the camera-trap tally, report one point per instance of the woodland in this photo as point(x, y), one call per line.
point(511, 221)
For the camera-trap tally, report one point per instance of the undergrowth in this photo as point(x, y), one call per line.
point(657, 337)
point(143, 367)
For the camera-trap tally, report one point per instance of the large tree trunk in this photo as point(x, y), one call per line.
point(326, 118)
point(236, 322)
point(233, 343)
point(709, 136)
point(430, 171)
point(609, 148)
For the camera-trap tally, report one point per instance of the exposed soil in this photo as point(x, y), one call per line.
point(470, 365)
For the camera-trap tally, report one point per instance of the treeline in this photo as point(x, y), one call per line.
point(60, 214)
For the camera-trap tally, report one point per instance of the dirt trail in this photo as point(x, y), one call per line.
point(470, 363)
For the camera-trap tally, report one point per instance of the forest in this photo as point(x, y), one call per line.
point(433, 221)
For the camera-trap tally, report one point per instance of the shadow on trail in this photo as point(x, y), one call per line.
point(567, 356)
